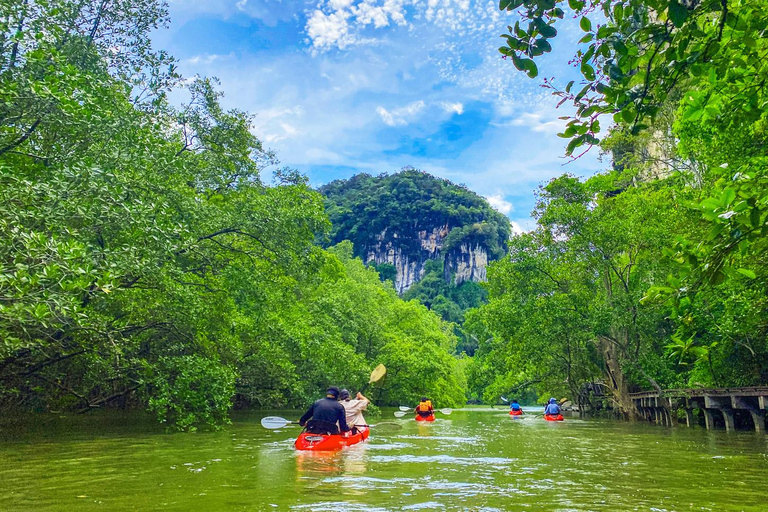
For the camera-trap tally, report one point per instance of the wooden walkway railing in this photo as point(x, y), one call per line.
point(662, 407)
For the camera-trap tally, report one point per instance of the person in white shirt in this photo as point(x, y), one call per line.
point(354, 408)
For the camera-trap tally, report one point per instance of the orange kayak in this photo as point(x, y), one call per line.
point(553, 417)
point(324, 442)
point(516, 413)
point(431, 417)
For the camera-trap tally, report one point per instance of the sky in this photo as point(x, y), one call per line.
point(340, 87)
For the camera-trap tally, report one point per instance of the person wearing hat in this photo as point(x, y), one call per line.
point(327, 415)
point(354, 408)
point(552, 409)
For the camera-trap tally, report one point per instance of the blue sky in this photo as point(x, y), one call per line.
point(346, 86)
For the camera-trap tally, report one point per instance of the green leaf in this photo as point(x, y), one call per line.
point(747, 273)
point(588, 71)
point(728, 196)
point(677, 13)
point(508, 5)
point(544, 29)
point(585, 24)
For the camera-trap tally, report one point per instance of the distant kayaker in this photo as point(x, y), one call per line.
point(515, 407)
point(552, 409)
point(425, 409)
point(354, 408)
point(327, 415)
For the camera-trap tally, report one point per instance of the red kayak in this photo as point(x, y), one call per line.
point(553, 417)
point(516, 413)
point(431, 417)
point(325, 442)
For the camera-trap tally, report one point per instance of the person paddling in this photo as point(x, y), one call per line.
point(354, 409)
point(515, 408)
point(327, 415)
point(425, 409)
point(552, 409)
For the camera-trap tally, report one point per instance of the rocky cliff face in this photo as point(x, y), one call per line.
point(467, 262)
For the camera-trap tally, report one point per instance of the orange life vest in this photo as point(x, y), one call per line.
point(424, 406)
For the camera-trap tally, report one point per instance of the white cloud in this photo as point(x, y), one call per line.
point(540, 123)
point(456, 16)
point(517, 229)
point(457, 107)
point(500, 204)
point(400, 116)
point(329, 30)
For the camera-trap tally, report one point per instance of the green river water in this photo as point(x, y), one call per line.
point(471, 460)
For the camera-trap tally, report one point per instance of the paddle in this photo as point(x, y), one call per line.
point(376, 376)
point(404, 409)
point(274, 422)
point(503, 399)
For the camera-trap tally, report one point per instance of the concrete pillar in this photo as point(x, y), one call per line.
point(728, 417)
point(709, 419)
point(758, 418)
point(689, 417)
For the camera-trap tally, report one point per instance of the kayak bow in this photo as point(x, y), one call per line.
point(553, 417)
point(325, 442)
point(431, 417)
point(516, 413)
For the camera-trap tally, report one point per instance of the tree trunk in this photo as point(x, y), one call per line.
point(615, 379)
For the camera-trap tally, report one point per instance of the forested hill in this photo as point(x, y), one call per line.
point(400, 222)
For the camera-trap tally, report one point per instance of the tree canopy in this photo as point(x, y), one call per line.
point(147, 263)
point(648, 275)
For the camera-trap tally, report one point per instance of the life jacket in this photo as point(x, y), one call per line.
point(424, 406)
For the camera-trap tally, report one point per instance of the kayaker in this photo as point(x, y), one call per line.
point(327, 415)
point(514, 406)
point(552, 409)
point(354, 408)
point(425, 409)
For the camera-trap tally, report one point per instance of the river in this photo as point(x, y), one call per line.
point(474, 459)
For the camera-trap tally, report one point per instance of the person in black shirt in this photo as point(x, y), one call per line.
point(327, 415)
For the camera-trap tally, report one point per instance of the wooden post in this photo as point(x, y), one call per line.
point(689, 417)
point(758, 418)
point(709, 419)
point(728, 417)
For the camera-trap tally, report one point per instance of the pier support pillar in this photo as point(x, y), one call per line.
point(709, 419)
point(689, 417)
point(728, 417)
point(758, 418)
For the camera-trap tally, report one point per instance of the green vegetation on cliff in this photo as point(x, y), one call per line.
point(372, 211)
point(399, 213)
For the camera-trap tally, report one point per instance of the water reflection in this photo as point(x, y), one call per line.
point(477, 460)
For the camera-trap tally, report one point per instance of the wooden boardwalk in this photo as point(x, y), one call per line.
point(712, 403)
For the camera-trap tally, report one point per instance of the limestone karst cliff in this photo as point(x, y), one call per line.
point(410, 218)
point(466, 262)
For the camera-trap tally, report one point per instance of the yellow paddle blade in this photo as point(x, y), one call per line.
point(377, 373)
point(563, 401)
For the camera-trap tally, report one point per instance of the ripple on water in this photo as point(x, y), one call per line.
point(335, 506)
point(390, 446)
point(456, 439)
point(444, 459)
